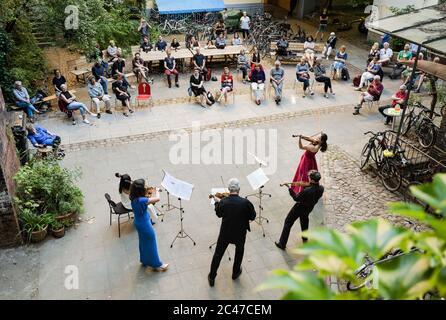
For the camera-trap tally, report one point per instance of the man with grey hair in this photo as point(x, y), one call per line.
point(23, 101)
point(374, 91)
point(277, 76)
point(236, 213)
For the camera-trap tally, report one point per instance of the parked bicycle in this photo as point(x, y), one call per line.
point(424, 127)
point(373, 149)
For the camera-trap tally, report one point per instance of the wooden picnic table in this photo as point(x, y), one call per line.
point(229, 51)
point(160, 55)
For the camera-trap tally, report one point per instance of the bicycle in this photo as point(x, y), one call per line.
point(391, 167)
point(373, 149)
point(425, 129)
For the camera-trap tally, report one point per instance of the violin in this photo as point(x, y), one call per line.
point(149, 190)
point(295, 184)
point(219, 195)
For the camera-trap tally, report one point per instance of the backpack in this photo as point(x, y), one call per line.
point(344, 74)
point(357, 80)
point(211, 98)
point(396, 73)
point(208, 75)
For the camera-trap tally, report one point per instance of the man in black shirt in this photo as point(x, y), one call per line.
point(236, 213)
point(305, 202)
point(146, 46)
point(118, 68)
point(200, 63)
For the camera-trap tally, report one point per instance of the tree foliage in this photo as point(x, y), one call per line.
point(409, 276)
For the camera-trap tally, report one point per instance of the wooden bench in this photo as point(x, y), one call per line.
point(79, 67)
point(295, 51)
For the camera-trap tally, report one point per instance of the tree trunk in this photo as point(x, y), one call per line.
point(441, 138)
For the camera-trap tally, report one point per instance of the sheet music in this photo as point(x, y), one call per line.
point(214, 191)
point(177, 187)
point(257, 179)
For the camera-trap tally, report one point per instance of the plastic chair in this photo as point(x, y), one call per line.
point(144, 93)
point(118, 209)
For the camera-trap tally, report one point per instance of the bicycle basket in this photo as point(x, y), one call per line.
point(388, 153)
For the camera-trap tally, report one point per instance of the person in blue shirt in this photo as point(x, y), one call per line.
point(148, 250)
point(161, 45)
point(40, 137)
point(303, 75)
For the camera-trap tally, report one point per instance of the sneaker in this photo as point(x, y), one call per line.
point(99, 116)
point(73, 122)
point(325, 95)
point(332, 93)
point(177, 85)
point(244, 81)
point(86, 121)
point(356, 112)
point(163, 268)
point(93, 114)
point(312, 92)
point(131, 111)
point(108, 111)
point(125, 114)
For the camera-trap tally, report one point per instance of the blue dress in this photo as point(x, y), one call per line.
point(148, 251)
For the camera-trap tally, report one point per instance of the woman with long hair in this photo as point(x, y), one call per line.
point(148, 250)
point(308, 159)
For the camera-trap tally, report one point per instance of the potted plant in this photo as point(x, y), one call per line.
point(34, 225)
point(57, 228)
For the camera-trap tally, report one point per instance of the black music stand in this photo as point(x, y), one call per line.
point(168, 206)
point(181, 234)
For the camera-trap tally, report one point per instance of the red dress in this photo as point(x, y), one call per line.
point(307, 163)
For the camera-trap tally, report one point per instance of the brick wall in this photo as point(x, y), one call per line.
point(9, 164)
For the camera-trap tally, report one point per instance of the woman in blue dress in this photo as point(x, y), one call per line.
point(339, 62)
point(148, 250)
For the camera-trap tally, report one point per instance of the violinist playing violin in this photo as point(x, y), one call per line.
point(305, 202)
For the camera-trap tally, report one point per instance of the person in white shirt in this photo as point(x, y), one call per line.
point(96, 93)
point(244, 25)
point(309, 50)
point(385, 54)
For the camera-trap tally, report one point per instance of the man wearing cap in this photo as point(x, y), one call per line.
point(398, 98)
point(236, 213)
point(374, 91)
point(305, 202)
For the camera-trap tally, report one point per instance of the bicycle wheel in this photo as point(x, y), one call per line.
point(390, 176)
point(426, 134)
point(365, 155)
point(407, 123)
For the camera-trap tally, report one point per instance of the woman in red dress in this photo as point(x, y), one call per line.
point(308, 159)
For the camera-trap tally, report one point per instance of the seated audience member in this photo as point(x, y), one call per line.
point(282, 46)
point(120, 88)
point(146, 46)
point(139, 69)
point(423, 76)
point(374, 91)
point(243, 64)
point(372, 70)
point(413, 48)
point(175, 45)
point(220, 28)
point(255, 57)
point(258, 82)
point(309, 46)
point(112, 51)
point(277, 75)
point(405, 54)
point(385, 54)
point(97, 94)
point(220, 43)
point(227, 84)
point(70, 103)
point(118, 68)
point(303, 75)
point(170, 69)
point(398, 98)
point(339, 63)
point(330, 45)
point(41, 137)
point(210, 45)
point(23, 101)
point(319, 76)
point(144, 29)
point(236, 41)
point(99, 73)
point(197, 86)
point(200, 62)
point(407, 73)
point(384, 38)
point(58, 80)
point(194, 43)
point(374, 52)
point(161, 45)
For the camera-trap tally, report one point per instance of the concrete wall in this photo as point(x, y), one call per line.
point(9, 164)
point(384, 5)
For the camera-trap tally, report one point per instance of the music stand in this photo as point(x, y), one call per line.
point(182, 190)
point(257, 179)
point(168, 205)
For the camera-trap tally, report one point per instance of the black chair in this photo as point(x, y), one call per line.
point(118, 209)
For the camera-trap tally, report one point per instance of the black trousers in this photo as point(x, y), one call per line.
point(381, 110)
point(326, 81)
point(245, 33)
point(296, 212)
point(220, 250)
